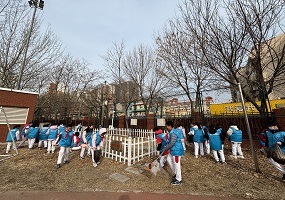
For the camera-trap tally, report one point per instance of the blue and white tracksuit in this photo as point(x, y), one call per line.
point(216, 144)
point(176, 151)
point(236, 139)
point(10, 139)
point(43, 137)
point(272, 138)
point(32, 135)
point(86, 140)
point(198, 139)
point(64, 143)
point(52, 135)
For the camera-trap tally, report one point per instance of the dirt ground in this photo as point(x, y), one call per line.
point(34, 170)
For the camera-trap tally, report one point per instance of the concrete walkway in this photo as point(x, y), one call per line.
point(43, 195)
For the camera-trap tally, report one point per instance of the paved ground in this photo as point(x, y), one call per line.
point(14, 195)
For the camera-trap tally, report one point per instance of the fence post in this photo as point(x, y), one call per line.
point(129, 151)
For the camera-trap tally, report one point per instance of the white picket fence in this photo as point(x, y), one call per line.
point(135, 144)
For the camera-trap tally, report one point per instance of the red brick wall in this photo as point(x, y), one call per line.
point(16, 99)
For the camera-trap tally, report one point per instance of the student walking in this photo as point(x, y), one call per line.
point(64, 143)
point(33, 135)
point(52, 135)
point(43, 136)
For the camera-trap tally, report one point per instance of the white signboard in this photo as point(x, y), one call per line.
point(160, 122)
point(134, 122)
point(14, 115)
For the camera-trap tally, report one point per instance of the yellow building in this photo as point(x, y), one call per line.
point(236, 108)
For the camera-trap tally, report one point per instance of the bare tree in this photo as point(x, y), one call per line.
point(45, 48)
point(141, 67)
point(227, 41)
point(183, 62)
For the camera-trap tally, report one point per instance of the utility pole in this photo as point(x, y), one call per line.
point(34, 4)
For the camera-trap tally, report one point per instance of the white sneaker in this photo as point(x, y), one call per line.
point(196, 157)
point(94, 164)
point(232, 156)
point(242, 157)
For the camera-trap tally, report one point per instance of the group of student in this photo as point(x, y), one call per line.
point(52, 135)
point(171, 144)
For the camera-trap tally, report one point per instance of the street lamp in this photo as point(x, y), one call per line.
point(33, 4)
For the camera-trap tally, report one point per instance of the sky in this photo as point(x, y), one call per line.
point(88, 28)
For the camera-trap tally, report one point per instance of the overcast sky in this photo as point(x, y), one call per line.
point(87, 28)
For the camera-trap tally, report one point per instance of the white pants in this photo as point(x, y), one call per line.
point(277, 165)
point(31, 142)
point(76, 148)
point(221, 153)
point(175, 165)
point(64, 151)
point(197, 146)
point(83, 151)
point(42, 141)
point(163, 160)
point(9, 144)
point(24, 138)
point(236, 149)
point(50, 146)
point(207, 146)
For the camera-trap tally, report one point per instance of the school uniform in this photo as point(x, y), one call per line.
point(75, 143)
point(198, 139)
point(86, 140)
point(9, 139)
point(24, 133)
point(162, 139)
point(64, 143)
point(176, 151)
point(96, 146)
point(52, 135)
point(272, 138)
point(235, 136)
point(32, 135)
point(216, 144)
point(43, 137)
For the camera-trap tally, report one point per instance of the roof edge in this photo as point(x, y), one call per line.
point(20, 91)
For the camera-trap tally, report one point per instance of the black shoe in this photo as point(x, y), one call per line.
point(283, 178)
point(66, 162)
point(58, 166)
point(82, 158)
point(176, 182)
point(173, 178)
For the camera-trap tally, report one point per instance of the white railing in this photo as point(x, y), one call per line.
point(131, 145)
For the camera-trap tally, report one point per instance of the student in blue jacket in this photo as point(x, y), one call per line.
point(96, 145)
point(235, 136)
point(9, 138)
point(33, 135)
point(43, 136)
point(274, 135)
point(64, 143)
point(198, 139)
point(176, 151)
point(215, 140)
